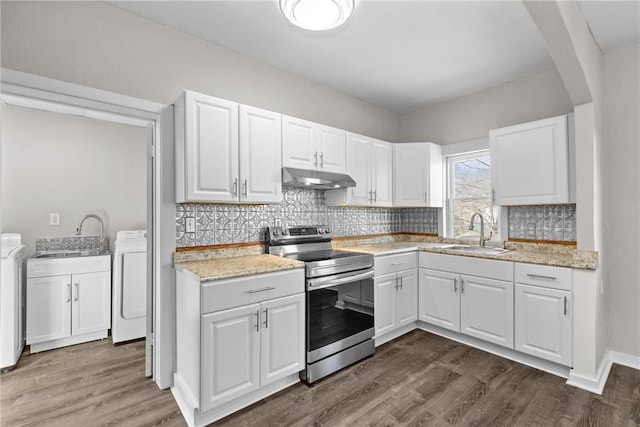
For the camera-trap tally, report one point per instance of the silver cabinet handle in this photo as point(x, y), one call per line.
point(401, 280)
point(394, 264)
point(77, 291)
point(68, 292)
point(257, 325)
point(370, 195)
point(266, 318)
point(565, 305)
point(253, 291)
point(537, 276)
point(455, 286)
point(462, 286)
point(245, 188)
point(396, 285)
point(315, 159)
point(493, 195)
point(375, 196)
point(235, 187)
point(425, 197)
point(322, 159)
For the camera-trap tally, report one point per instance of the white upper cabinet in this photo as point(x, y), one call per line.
point(370, 164)
point(308, 145)
point(260, 155)
point(531, 163)
point(417, 174)
point(226, 152)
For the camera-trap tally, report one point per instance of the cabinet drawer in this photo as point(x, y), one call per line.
point(489, 268)
point(224, 294)
point(394, 263)
point(41, 267)
point(544, 275)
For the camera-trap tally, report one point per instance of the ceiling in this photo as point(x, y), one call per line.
point(400, 55)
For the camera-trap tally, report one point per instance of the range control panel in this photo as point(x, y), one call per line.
point(307, 232)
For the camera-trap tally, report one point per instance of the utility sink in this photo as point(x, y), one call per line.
point(477, 249)
point(72, 253)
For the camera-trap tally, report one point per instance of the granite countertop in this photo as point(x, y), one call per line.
point(554, 255)
point(232, 267)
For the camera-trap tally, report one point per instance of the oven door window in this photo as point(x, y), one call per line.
point(336, 313)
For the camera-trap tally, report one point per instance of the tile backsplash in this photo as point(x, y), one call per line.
point(219, 224)
point(543, 222)
point(68, 243)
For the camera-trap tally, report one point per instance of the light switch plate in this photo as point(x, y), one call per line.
point(54, 219)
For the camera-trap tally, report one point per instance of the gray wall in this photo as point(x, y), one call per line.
point(101, 46)
point(622, 199)
point(469, 117)
point(73, 166)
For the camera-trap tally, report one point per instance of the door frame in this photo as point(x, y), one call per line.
point(41, 93)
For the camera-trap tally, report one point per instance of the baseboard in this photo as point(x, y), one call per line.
point(596, 384)
point(394, 334)
point(625, 359)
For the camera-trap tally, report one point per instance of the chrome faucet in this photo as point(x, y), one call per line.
point(79, 228)
point(473, 217)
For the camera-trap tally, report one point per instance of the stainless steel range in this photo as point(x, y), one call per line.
point(339, 292)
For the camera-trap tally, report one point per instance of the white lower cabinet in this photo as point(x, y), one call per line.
point(478, 306)
point(246, 341)
point(543, 324)
point(65, 308)
point(251, 346)
point(396, 293)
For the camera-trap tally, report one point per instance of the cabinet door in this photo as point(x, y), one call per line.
point(410, 178)
point(299, 143)
point(385, 304)
point(91, 302)
point(359, 168)
point(260, 155)
point(282, 341)
point(230, 355)
point(438, 299)
point(530, 163)
point(543, 323)
point(407, 297)
point(332, 149)
point(486, 309)
point(48, 308)
point(382, 173)
point(210, 148)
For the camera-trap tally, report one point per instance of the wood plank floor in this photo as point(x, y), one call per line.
point(419, 379)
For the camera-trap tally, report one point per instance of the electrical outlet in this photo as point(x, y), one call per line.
point(54, 219)
point(191, 225)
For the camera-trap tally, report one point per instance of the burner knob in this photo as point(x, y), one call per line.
point(320, 231)
point(285, 231)
point(275, 232)
point(327, 230)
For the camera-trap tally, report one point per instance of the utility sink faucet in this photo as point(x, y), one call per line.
point(473, 218)
point(94, 216)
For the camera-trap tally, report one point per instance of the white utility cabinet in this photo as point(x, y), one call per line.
point(226, 152)
point(244, 340)
point(543, 322)
point(473, 296)
point(533, 163)
point(395, 294)
point(370, 164)
point(417, 174)
point(68, 301)
point(309, 145)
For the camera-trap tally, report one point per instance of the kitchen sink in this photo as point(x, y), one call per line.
point(71, 253)
point(477, 249)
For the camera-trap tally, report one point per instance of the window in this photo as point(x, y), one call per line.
point(468, 192)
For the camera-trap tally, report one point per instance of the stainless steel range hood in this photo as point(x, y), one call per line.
point(318, 180)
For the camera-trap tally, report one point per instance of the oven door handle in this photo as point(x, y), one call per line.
point(327, 282)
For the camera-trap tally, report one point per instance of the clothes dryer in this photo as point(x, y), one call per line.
point(12, 300)
point(129, 312)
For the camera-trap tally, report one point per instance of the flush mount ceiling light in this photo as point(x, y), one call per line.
point(317, 15)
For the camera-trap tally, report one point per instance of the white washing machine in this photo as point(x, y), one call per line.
point(12, 300)
point(129, 313)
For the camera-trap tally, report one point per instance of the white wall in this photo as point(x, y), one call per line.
point(73, 166)
point(530, 98)
point(622, 199)
point(100, 46)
